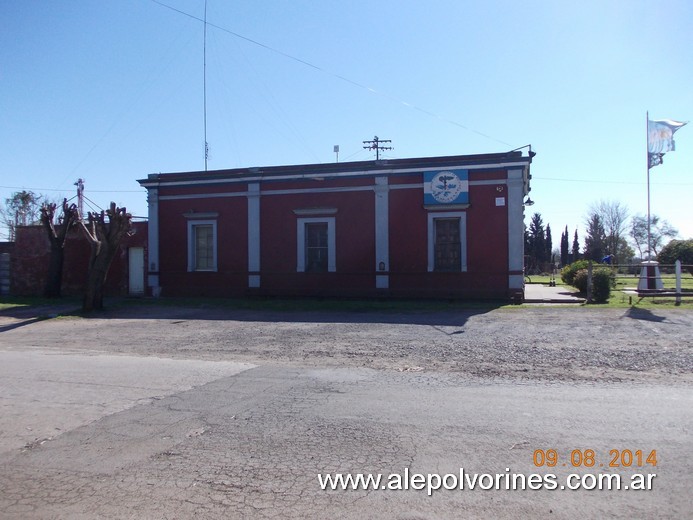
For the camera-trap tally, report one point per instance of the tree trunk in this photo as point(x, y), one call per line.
point(56, 236)
point(93, 296)
point(98, 271)
point(55, 272)
point(104, 239)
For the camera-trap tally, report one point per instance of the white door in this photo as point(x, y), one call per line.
point(136, 271)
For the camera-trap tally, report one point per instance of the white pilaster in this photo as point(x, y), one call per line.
point(516, 229)
point(254, 234)
point(153, 246)
point(382, 233)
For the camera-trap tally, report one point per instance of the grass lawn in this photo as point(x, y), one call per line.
point(620, 299)
point(18, 302)
point(273, 304)
point(10, 302)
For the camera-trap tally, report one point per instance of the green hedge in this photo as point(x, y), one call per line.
point(569, 271)
point(602, 280)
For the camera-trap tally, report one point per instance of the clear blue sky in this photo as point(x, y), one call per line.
point(113, 91)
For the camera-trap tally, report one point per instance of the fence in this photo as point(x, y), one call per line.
point(673, 281)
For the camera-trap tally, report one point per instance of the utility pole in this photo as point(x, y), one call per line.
point(80, 197)
point(375, 145)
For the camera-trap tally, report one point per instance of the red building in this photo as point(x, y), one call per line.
point(30, 254)
point(447, 227)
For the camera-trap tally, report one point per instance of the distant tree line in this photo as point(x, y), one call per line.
point(611, 234)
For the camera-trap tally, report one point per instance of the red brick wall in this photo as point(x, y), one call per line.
point(486, 227)
point(29, 262)
point(487, 245)
point(231, 278)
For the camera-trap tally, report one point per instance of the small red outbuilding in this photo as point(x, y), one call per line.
point(30, 256)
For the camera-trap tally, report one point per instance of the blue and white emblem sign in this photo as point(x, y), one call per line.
point(446, 187)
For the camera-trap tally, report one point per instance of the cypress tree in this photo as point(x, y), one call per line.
point(565, 247)
point(576, 247)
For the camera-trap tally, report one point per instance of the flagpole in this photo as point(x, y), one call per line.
point(647, 146)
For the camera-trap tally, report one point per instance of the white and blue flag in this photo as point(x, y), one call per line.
point(660, 135)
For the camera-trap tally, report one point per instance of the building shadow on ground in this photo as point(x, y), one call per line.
point(643, 314)
point(442, 313)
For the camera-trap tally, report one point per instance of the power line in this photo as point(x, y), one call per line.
point(93, 205)
point(54, 189)
point(592, 181)
point(334, 75)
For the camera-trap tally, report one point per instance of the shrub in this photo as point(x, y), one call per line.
point(602, 280)
point(580, 280)
point(601, 284)
point(569, 271)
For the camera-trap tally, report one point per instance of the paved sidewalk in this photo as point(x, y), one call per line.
point(91, 435)
point(541, 293)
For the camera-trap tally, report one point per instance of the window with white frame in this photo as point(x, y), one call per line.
point(447, 241)
point(202, 245)
point(315, 245)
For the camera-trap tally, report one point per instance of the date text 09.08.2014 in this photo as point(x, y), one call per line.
point(588, 458)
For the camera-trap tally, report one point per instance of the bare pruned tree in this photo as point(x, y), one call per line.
point(104, 231)
point(57, 233)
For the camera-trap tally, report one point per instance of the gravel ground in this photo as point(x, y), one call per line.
point(480, 390)
point(547, 343)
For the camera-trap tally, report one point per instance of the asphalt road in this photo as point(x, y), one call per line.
point(86, 432)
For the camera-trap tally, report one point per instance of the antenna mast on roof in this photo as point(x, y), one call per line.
point(375, 145)
point(204, 82)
